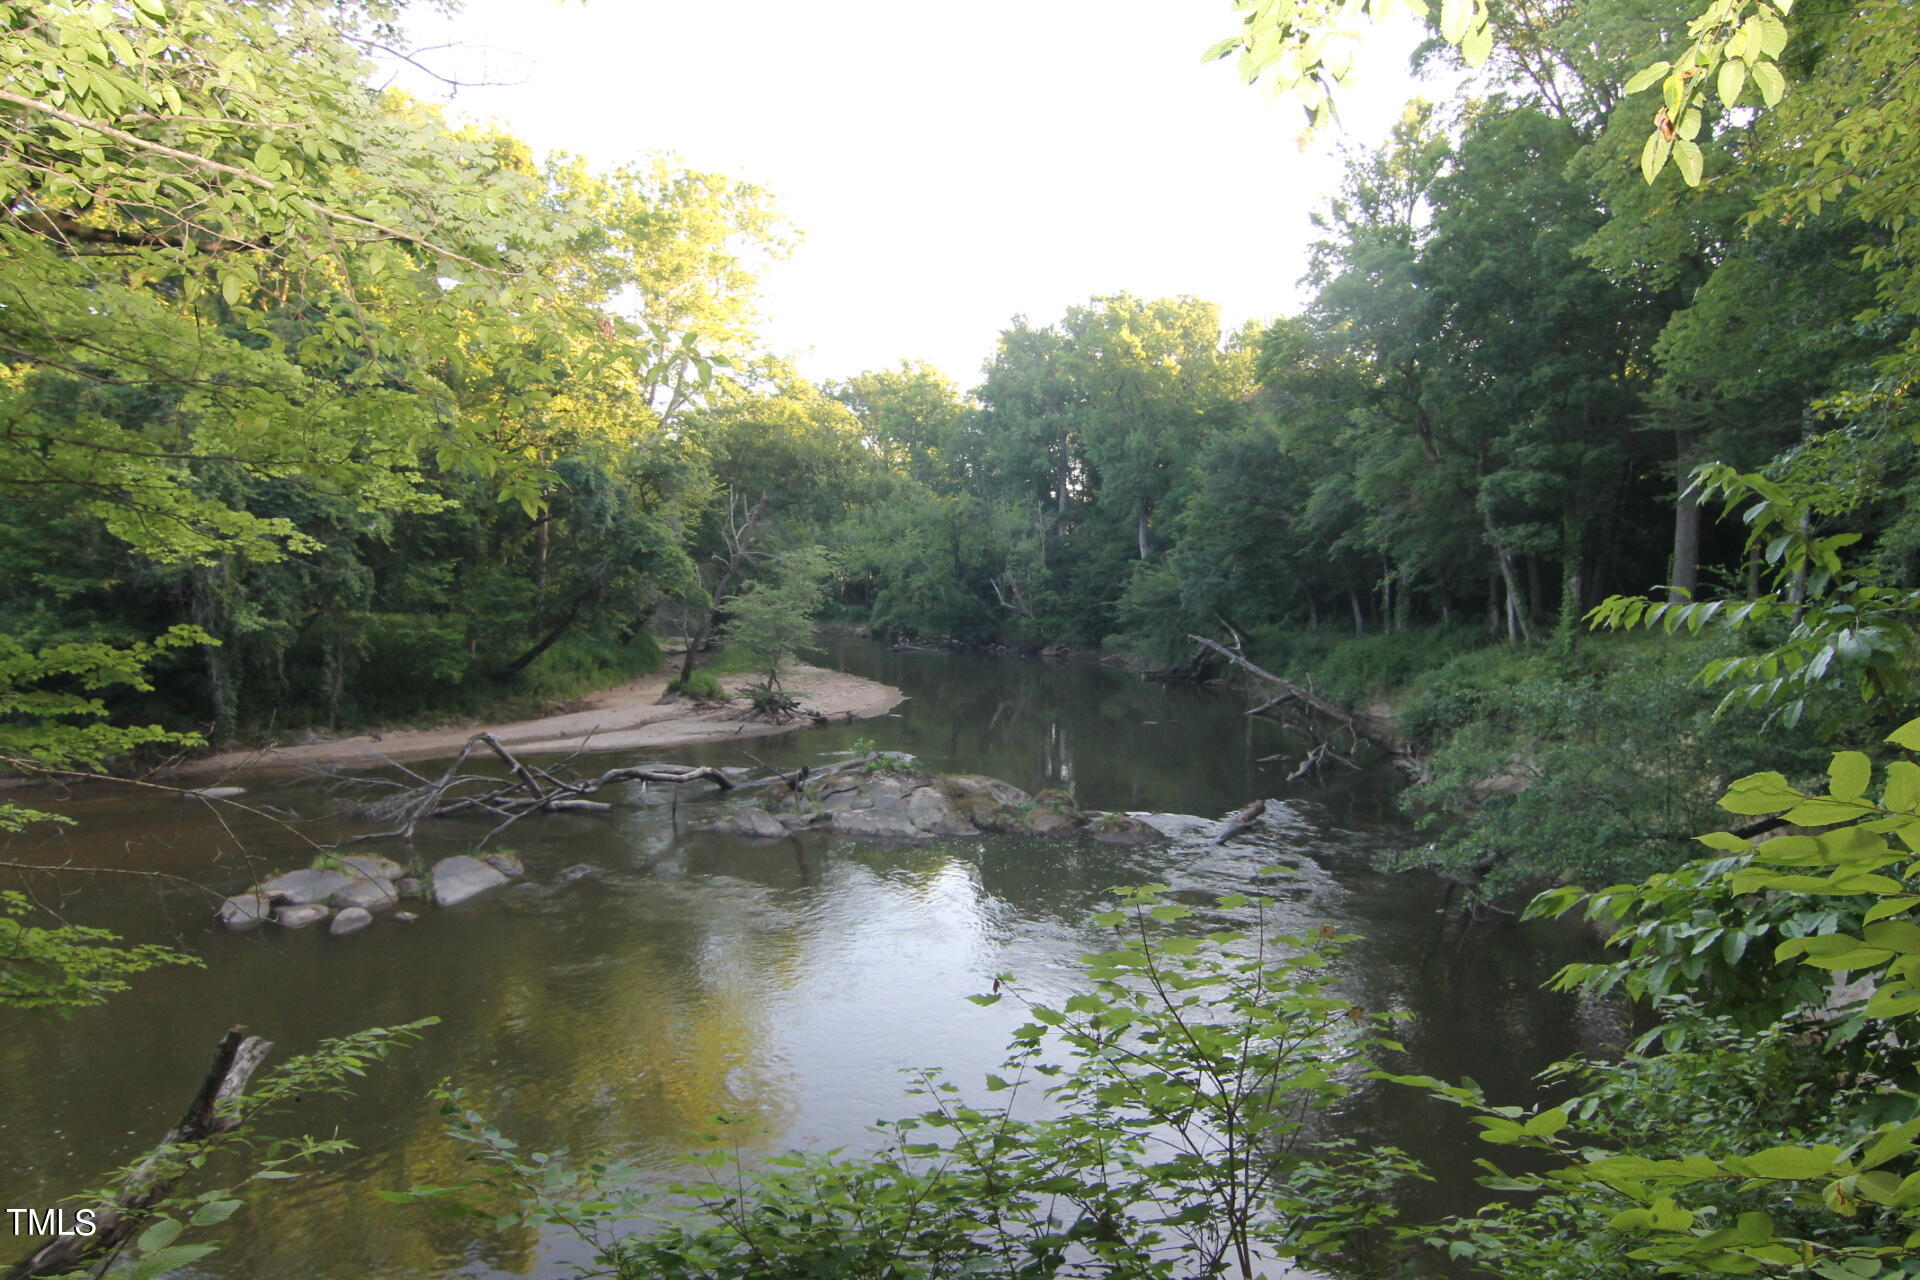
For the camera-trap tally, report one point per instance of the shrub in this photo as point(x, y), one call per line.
point(701, 685)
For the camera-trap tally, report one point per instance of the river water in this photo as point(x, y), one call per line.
point(787, 985)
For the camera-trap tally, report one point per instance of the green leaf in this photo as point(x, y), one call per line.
point(1733, 78)
point(1791, 1163)
point(1903, 787)
point(1477, 46)
point(158, 1235)
point(1772, 84)
point(1688, 160)
point(1907, 735)
point(214, 1212)
point(1823, 813)
point(1455, 17)
point(1848, 775)
point(1647, 77)
point(1760, 793)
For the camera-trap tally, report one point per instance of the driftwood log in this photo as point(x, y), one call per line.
point(1239, 820)
point(211, 1114)
point(1358, 726)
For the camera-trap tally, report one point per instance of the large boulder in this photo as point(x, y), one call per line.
point(369, 895)
point(352, 920)
point(890, 803)
point(987, 803)
point(458, 878)
point(309, 885)
point(245, 911)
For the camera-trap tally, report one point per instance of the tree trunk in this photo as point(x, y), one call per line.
point(1359, 618)
point(1685, 576)
point(1144, 547)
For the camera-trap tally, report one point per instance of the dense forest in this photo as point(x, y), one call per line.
point(1592, 457)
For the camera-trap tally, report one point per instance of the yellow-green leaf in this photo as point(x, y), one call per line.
point(1848, 775)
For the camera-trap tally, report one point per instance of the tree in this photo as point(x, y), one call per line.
point(772, 617)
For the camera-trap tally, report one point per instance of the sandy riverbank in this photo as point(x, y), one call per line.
point(627, 717)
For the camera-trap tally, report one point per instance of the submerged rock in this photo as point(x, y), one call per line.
point(213, 793)
point(300, 914)
point(1122, 829)
point(506, 864)
point(578, 871)
point(245, 911)
point(458, 878)
point(352, 920)
point(747, 820)
point(371, 865)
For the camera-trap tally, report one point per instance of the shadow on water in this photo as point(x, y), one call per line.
point(787, 985)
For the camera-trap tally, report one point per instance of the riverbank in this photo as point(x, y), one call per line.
point(627, 717)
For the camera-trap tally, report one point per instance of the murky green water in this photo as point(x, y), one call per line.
point(787, 985)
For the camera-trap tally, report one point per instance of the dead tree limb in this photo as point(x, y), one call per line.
point(526, 789)
point(213, 1113)
point(1239, 820)
point(1375, 729)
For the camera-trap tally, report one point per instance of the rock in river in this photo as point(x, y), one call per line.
point(310, 885)
point(300, 914)
point(370, 895)
point(507, 864)
point(352, 920)
point(458, 878)
point(746, 820)
point(245, 911)
point(1120, 828)
point(371, 865)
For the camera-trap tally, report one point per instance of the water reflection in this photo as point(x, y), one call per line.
point(787, 985)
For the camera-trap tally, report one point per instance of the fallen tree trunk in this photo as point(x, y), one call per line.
point(210, 1115)
point(526, 789)
point(1378, 730)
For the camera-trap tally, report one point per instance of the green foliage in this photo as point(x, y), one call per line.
point(1580, 776)
point(773, 616)
point(701, 685)
point(1827, 628)
point(1768, 1123)
point(1192, 1067)
point(62, 967)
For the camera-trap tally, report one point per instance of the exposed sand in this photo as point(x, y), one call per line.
point(624, 718)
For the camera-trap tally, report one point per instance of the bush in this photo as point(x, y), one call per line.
point(701, 685)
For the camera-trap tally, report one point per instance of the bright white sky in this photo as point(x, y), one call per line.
point(949, 166)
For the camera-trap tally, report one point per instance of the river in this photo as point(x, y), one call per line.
point(787, 985)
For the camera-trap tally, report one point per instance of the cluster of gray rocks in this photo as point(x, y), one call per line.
point(347, 891)
point(889, 800)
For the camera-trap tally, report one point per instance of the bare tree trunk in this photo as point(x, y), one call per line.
point(1685, 578)
point(1359, 618)
point(1144, 547)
